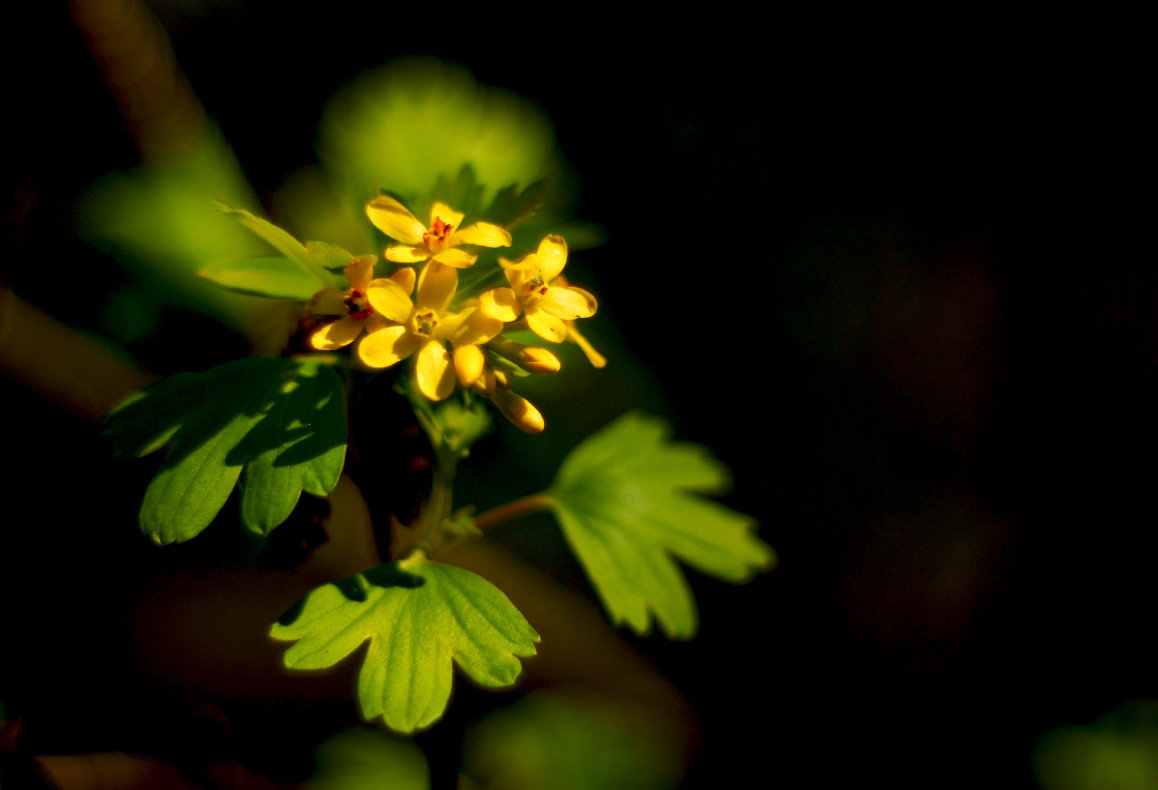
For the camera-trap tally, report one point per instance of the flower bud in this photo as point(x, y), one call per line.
point(520, 411)
point(532, 359)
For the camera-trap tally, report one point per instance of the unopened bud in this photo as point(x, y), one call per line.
point(469, 362)
point(520, 411)
point(485, 384)
point(532, 359)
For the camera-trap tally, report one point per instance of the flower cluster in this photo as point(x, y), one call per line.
point(455, 337)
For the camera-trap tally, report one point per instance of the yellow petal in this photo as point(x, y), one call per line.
point(393, 219)
point(546, 325)
point(528, 263)
point(483, 234)
point(405, 278)
point(389, 299)
point(433, 372)
point(340, 333)
point(477, 327)
point(568, 303)
point(500, 303)
point(436, 286)
point(446, 214)
point(469, 362)
point(455, 258)
point(383, 347)
point(520, 411)
point(359, 272)
point(552, 256)
point(328, 301)
point(594, 357)
point(402, 253)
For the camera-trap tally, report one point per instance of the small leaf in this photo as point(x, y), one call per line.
point(275, 276)
point(281, 241)
point(511, 207)
point(330, 256)
point(629, 503)
point(281, 420)
point(419, 617)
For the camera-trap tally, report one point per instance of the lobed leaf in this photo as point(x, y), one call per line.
point(629, 503)
point(282, 421)
point(420, 618)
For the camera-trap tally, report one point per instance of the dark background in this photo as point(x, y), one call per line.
point(889, 270)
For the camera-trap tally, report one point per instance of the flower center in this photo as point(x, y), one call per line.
point(424, 322)
point(357, 305)
point(534, 289)
point(435, 238)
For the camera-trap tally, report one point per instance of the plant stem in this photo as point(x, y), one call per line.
point(503, 513)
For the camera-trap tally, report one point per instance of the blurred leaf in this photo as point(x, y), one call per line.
point(1117, 752)
point(418, 616)
point(628, 502)
point(283, 420)
point(567, 742)
point(276, 277)
point(367, 759)
point(160, 219)
point(460, 424)
point(403, 126)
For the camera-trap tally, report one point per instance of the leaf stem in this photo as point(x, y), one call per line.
point(503, 513)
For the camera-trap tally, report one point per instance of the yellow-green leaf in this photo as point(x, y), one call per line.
point(420, 618)
point(631, 503)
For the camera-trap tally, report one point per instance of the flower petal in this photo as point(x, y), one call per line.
point(359, 272)
point(383, 347)
point(445, 213)
point(568, 303)
point(477, 327)
point(552, 256)
point(436, 286)
point(483, 234)
point(339, 334)
point(405, 278)
point(402, 253)
point(528, 263)
point(455, 258)
point(328, 301)
point(388, 299)
point(500, 303)
point(393, 219)
point(469, 362)
point(433, 372)
point(546, 325)
point(594, 357)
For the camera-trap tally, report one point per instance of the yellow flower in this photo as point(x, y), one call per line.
point(352, 305)
point(439, 242)
point(546, 306)
point(423, 327)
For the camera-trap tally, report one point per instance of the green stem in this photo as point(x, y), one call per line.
point(534, 503)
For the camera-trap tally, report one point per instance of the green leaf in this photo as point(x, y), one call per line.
point(419, 617)
point(629, 503)
point(281, 241)
point(273, 276)
point(512, 207)
point(283, 421)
